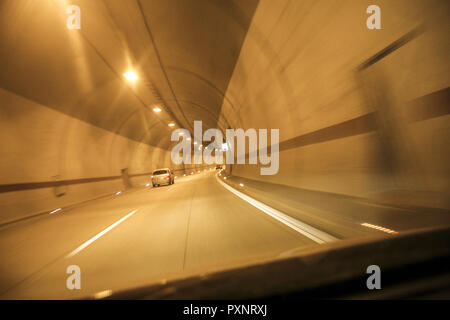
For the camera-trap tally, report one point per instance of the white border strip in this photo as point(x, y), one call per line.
point(303, 228)
point(87, 243)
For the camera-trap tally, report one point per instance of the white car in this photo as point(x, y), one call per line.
point(162, 176)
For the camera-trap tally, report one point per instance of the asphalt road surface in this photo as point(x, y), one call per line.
point(138, 238)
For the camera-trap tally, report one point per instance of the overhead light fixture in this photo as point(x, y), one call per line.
point(181, 133)
point(157, 109)
point(171, 124)
point(130, 76)
point(188, 139)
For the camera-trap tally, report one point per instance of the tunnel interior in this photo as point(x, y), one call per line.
point(362, 114)
point(349, 123)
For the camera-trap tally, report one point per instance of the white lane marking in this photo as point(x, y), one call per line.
point(103, 294)
point(54, 211)
point(374, 226)
point(87, 243)
point(303, 228)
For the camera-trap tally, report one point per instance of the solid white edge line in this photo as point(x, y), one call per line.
point(303, 228)
point(87, 243)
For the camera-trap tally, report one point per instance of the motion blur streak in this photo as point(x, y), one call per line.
point(363, 119)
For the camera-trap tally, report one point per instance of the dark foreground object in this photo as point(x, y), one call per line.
point(413, 265)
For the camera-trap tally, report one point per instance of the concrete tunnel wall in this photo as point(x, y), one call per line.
point(63, 148)
point(377, 129)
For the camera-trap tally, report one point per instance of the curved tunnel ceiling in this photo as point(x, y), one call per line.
point(184, 53)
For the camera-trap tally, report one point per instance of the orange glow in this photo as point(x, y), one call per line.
point(130, 76)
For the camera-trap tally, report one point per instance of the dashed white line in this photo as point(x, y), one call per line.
point(374, 226)
point(87, 243)
point(54, 211)
point(303, 228)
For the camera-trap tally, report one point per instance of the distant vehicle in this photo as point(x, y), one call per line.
point(162, 176)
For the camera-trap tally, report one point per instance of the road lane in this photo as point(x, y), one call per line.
point(30, 245)
point(191, 227)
